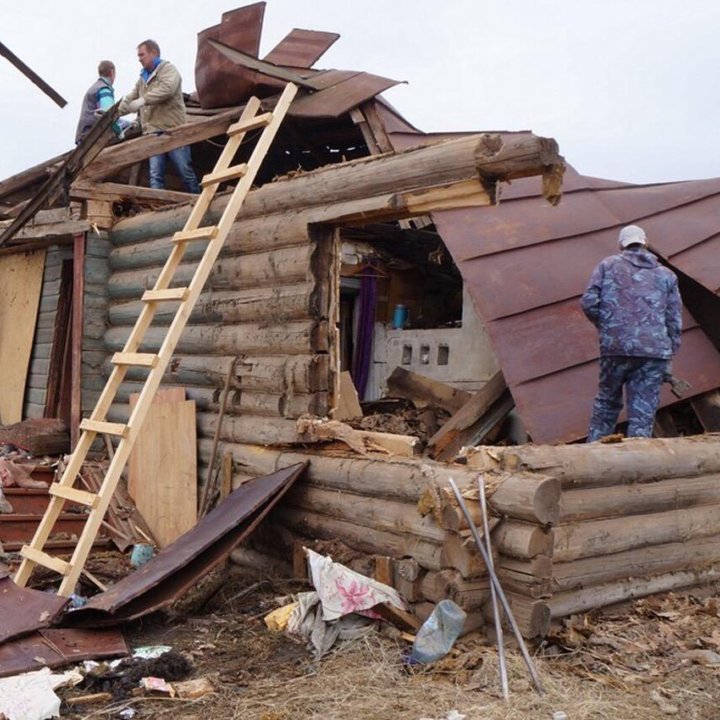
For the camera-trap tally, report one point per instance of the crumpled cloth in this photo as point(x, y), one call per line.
point(341, 605)
point(31, 696)
point(14, 474)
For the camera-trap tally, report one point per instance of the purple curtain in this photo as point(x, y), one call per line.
point(364, 333)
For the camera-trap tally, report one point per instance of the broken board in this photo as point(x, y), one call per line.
point(348, 407)
point(21, 277)
point(162, 473)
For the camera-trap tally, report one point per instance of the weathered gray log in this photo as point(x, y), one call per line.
point(299, 336)
point(639, 498)
point(313, 525)
point(268, 373)
point(599, 465)
point(641, 562)
point(449, 584)
point(291, 302)
point(564, 604)
point(285, 266)
point(528, 496)
point(381, 513)
point(379, 476)
point(604, 537)
point(532, 616)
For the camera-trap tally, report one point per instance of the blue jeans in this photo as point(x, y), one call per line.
point(642, 379)
point(182, 161)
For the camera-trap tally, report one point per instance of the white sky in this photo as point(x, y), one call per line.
point(628, 88)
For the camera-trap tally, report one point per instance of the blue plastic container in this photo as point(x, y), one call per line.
point(400, 317)
point(438, 633)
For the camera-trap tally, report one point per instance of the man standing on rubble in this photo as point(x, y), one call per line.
point(635, 304)
point(158, 99)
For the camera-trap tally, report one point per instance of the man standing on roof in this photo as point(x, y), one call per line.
point(635, 304)
point(157, 98)
point(99, 98)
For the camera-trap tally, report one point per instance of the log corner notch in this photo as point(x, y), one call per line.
point(527, 155)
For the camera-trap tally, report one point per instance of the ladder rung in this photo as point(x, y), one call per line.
point(73, 494)
point(166, 295)
point(109, 428)
point(231, 173)
point(135, 359)
point(41, 558)
point(202, 233)
point(252, 124)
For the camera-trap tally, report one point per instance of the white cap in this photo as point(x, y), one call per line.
point(631, 235)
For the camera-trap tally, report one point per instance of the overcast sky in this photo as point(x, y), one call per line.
point(627, 87)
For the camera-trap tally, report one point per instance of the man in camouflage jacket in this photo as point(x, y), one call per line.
point(635, 304)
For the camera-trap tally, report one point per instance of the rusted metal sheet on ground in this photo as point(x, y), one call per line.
point(180, 565)
point(219, 81)
point(24, 610)
point(526, 264)
point(301, 48)
point(57, 647)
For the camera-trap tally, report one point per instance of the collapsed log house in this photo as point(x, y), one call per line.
point(357, 212)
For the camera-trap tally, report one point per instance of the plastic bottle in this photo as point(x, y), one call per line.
point(400, 316)
point(438, 633)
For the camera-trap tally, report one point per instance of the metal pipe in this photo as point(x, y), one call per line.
point(501, 593)
point(493, 595)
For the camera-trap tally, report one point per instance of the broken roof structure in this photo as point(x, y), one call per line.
point(284, 312)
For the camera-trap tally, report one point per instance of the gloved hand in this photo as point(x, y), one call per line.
point(135, 105)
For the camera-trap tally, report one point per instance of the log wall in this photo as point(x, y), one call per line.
point(267, 302)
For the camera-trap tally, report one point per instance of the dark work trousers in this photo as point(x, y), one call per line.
point(642, 379)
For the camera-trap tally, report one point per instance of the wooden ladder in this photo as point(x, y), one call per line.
point(215, 235)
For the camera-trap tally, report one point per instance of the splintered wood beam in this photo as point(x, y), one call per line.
point(117, 192)
point(115, 158)
point(32, 76)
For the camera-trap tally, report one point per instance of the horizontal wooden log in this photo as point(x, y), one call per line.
point(290, 302)
point(117, 192)
point(532, 616)
point(600, 465)
point(527, 496)
point(576, 601)
point(260, 561)
point(268, 373)
point(639, 498)
point(460, 553)
point(641, 562)
point(397, 545)
point(300, 336)
point(373, 513)
point(399, 478)
point(113, 159)
point(604, 537)
point(449, 584)
point(425, 391)
point(253, 403)
point(285, 266)
point(518, 539)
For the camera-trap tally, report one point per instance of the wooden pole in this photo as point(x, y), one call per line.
point(77, 336)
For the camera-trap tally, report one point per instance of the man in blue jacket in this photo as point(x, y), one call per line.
point(635, 304)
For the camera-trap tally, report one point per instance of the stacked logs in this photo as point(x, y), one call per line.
point(632, 519)
point(401, 509)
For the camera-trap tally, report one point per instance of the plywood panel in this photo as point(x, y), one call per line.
point(162, 472)
point(21, 278)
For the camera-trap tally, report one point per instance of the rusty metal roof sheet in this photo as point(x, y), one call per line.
point(301, 48)
point(180, 565)
point(24, 610)
point(57, 647)
point(526, 264)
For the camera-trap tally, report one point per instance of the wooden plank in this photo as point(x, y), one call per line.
point(462, 427)
point(21, 278)
point(76, 341)
point(426, 391)
point(348, 406)
point(117, 192)
point(162, 472)
point(32, 76)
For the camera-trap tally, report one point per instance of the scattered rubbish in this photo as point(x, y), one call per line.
point(277, 620)
point(141, 553)
point(150, 652)
point(438, 633)
point(77, 601)
point(193, 689)
point(559, 715)
point(94, 698)
point(156, 684)
point(127, 713)
point(31, 696)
